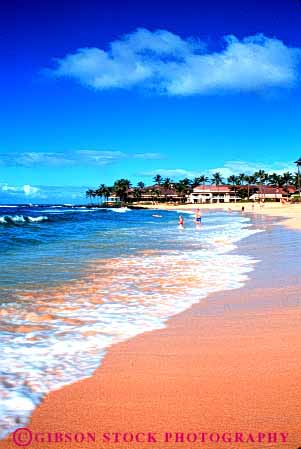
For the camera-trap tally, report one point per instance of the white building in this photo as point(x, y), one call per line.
point(212, 194)
point(268, 192)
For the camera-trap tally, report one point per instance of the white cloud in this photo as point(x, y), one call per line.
point(7, 188)
point(29, 190)
point(149, 156)
point(12, 194)
point(229, 168)
point(26, 189)
point(56, 159)
point(236, 167)
point(70, 158)
point(172, 172)
point(165, 62)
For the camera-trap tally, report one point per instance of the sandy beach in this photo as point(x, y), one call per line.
point(203, 374)
point(150, 225)
point(228, 365)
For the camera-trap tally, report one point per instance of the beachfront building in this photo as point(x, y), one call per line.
point(213, 194)
point(271, 193)
point(155, 193)
point(112, 200)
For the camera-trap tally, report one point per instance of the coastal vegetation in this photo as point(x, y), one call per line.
point(164, 188)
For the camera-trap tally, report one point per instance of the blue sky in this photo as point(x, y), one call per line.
point(95, 90)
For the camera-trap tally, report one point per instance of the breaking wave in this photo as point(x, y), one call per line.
point(19, 219)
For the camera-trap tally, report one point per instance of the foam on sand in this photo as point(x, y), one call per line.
point(54, 336)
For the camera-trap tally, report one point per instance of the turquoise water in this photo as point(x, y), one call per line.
point(74, 281)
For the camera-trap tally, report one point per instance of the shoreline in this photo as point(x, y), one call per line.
point(290, 214)
point(142, 381)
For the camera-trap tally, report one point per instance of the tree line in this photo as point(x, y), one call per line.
point(123, 187)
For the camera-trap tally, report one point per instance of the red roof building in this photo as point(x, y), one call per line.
point(213, 194)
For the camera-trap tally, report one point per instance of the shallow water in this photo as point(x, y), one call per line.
point(75, 281)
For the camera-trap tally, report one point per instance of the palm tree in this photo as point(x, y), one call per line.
point(186, 182)
point(137, 193)
point(167, 183)
point(141, 185)
point(296, 181)
point(103, 191)
point(90, 194)
point(297, 175)
point(275, 180)
point(121, 187)
point(158, 179)
point(217, 179)
point(261, 178)
point(241, 178)
point(182, 188)
point(196, 182)
point(234, 181)
point(250, 179)
point(203, 180)
point(287, 178)
point(107, 192)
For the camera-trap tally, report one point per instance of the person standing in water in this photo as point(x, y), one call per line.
point(198, 217)
point(181, 221)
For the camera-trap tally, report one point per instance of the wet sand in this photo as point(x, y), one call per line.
point(231, 363)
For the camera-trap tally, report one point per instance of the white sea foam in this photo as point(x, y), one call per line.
point(37, 219)
point(63, 211)
point(7, 219)
point(68, 338)
point(119, 209)
point(188, 212)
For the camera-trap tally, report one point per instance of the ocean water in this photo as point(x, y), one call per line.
point(75, 280)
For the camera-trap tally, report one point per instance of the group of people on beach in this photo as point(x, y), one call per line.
point(197, 218)
point(260, 204)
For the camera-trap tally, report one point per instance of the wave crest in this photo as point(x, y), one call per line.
point(19, 219)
